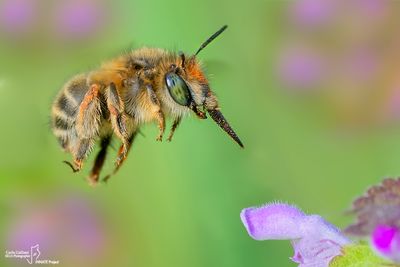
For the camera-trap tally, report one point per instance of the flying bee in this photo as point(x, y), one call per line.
point(141, 86)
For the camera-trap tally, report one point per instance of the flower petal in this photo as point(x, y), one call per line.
point(386, 241)
point(315, 241)
point(273, 221)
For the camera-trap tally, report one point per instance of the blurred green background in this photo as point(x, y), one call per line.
point(316, 138)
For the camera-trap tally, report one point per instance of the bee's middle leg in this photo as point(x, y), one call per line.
point(159, 114)
point(121, 157)
point(118, 117)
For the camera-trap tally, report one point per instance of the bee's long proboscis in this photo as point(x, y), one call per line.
point(217, 116)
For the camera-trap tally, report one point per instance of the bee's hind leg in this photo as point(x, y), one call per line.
point(73, 168)
point(87, 126)
point(99, 161)
point(121, 157)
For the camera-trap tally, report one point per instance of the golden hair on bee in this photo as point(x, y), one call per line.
point(138, 87)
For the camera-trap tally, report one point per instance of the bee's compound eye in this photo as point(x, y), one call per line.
point(178, 89)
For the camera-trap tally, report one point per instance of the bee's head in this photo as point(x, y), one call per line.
point(188, 86)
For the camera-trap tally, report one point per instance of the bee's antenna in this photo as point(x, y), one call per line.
point(212, 37)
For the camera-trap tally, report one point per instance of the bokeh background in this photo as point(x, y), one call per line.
point(312, 87)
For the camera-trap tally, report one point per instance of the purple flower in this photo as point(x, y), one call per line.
point(378, 217)
point(79, 19)
point(301, 68)
point(372, 8)
point(68, 226)
point(386, 241)
point(17, 15)
point(392, 108)
point(311, 12)
point(315, 241)
point(360, 64)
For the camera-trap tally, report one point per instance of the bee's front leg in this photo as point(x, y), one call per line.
point(161, 125)
point(158, 113)
point(175, 125)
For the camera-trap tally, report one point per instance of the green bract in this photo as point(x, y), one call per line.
point(359, 255)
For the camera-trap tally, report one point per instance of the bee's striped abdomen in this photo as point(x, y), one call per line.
point(66, 105)
point(65, 109)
